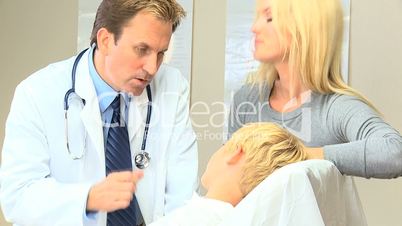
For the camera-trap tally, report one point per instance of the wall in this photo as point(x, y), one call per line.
point(39, 32)
point(208, 76)
point(376, 70)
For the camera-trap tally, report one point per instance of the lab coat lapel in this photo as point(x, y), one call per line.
point(90, 114)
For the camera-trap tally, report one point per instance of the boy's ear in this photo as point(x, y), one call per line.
point(235, 156)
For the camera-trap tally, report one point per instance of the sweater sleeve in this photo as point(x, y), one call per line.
point(372, 147)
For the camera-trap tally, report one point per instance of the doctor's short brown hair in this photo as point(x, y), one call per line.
point(115, 14)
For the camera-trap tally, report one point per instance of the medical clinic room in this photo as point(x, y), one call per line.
point(201, 113)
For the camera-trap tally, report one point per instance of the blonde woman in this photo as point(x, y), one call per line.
point(299, 86)
point(253, 153)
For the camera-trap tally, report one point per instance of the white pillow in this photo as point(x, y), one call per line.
point(311, 193)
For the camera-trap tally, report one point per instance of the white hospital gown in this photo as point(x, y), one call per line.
point(199, 211)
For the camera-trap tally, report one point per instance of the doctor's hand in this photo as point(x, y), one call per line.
point(113, 193)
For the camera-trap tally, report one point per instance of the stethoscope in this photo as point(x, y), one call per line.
point(142, 159)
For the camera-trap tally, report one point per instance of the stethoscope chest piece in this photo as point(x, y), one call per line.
point(142, 160)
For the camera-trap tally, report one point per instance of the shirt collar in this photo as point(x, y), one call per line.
point(104, 91)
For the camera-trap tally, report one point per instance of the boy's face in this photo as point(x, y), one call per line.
point(216, 166)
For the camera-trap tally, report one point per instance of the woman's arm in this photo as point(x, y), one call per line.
point(374, 148)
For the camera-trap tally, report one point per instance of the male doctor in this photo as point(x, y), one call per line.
point(80, 167)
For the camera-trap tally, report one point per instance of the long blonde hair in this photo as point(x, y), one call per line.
point(267, 147)
point(315, 28)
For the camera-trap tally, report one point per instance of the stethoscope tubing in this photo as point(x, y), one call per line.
point(72, 90)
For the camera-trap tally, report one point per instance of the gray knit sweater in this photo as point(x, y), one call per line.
point(352, 134)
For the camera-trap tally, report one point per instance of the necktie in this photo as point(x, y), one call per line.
point(118, 158)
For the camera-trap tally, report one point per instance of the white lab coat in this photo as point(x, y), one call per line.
point(42, 185)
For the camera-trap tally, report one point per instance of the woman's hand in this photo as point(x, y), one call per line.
point(314, 153)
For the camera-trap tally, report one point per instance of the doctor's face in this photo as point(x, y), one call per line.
point(131, 62)
point(266, 45)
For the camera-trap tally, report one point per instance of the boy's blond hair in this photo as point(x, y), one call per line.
point(267, 147)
